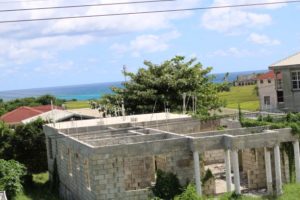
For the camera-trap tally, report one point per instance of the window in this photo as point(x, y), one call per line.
point(295, 79)
point(261, 81)
point(50, 148)
point(269, 81)
point(267, 100)
point(280, 97)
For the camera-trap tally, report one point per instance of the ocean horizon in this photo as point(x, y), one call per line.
point(90, 91)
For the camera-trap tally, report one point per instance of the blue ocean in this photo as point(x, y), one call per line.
point(89, 91)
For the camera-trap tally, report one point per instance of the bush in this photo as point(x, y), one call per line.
point(11, 173)
point(167, 185)
point(26, 144)
point(189, 194)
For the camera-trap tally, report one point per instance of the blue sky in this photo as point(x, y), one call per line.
point(67, 52)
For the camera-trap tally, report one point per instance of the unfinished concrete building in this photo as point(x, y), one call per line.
point(116, 158)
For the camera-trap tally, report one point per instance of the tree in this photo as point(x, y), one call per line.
point(157, 87)
point(226, 76)
point(11, 173)
point(167, 185)
point(25, 144)
point(6, 135)
point(29, 147)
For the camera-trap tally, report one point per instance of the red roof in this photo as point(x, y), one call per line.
point(269, 75)
point(24, 112)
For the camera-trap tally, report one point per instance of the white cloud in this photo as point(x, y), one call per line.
point(30, 41)
point(25, 50)
point(55, 68)
point(146, 43)
point(232, 20)
point(237, 52)
point(263, 39)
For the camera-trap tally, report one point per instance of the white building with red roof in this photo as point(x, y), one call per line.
point(269, 90)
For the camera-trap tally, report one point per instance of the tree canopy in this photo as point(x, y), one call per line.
point(26, 144)
point(11, 173)
point(157, 87)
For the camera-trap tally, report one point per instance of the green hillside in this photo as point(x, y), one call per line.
point(244, 95)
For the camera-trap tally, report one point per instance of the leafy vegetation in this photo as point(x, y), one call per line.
point(39, 189)
point(189, 194)
point(156, 87)
point(242, 95)
point(30, 101)
point(25, 144)
point(11, 173)
point(167, 185)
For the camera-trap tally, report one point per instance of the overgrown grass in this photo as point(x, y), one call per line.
point(290, 192)
point(243, 95)
point(38, 190)
point(77, 104)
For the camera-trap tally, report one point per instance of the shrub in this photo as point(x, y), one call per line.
point(11, 173)
point(189, 194)
point(167, 185)
point(268, 119)
point(208, 175)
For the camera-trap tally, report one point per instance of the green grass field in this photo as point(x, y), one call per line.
point(38, 190)
point(245, 96)
point(77, 104)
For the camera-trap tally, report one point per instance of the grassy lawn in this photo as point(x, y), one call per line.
point(38, 190)
point(77, 104)
point(244, 95)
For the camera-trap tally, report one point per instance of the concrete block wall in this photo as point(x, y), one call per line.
point(254, 167)
point(213, 157)
point(180, 163)
point(285, 170)
point(139, 172)
point(209, 187)
point(71, 165)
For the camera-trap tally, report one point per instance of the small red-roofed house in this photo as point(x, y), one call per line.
point(24, 112)
point(270, 90)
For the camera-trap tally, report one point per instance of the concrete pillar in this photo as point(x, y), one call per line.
point(228, 170)
point(236, 171)
point(197, 172)
point(268, 171)
point(297, 160)
point(278, 170)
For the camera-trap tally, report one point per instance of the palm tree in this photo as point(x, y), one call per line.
point(225, 79)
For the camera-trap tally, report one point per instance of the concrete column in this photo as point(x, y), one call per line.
point(297, 160)
point(236, 171)
point(197, 172)
point(278, 170)
point(228, 170)
point(268, 171)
